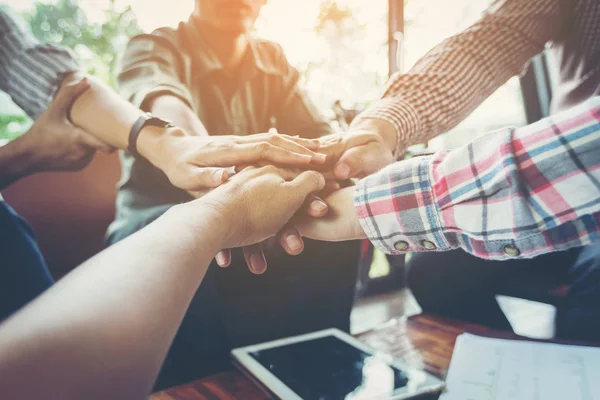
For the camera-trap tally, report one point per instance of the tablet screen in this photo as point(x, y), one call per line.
point(328, 368)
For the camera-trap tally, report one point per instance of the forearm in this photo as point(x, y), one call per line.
point(178, 111)
point(453, 78)
point(113, 318)
point(103, 113)
point(512, 193)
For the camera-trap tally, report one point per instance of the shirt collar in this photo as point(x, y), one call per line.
point(206, 61)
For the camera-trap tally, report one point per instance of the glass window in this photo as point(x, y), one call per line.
point(428, 22)
point(339, 47)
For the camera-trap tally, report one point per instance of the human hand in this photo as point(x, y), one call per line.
point(365, 149)
point(339, 224)
point(55, 143)
point(196, 163)
point(256, 203)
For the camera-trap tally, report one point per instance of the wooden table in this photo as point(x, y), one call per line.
point(421, 341)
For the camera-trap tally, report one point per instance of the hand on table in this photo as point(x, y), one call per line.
point(55, 143)
point(256, 203)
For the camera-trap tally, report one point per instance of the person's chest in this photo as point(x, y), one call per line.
point(227, 107)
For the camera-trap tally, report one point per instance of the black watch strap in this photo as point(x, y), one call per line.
point(143, 121)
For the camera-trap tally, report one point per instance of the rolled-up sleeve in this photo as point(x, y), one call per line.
point(152, 66)
point(30, 72)
point(512, 193)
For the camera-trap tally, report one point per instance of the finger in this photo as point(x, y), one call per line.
point(315, 206)
point(308, 182)
point(68, 93)
point(255, 258)
point(363, 160)
point(199, 178)
point(311, 144)
point(223, 258)
point(350, 164)
point(286, 174)
point(290, 240)
point(285, 142)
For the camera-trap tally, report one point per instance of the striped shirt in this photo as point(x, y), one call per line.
point(30, 72)
point(511, 193)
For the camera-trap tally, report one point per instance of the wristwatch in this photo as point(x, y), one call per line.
point(145, 120)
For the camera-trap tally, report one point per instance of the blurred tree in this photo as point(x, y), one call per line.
point(350, 67)
point(96, 45)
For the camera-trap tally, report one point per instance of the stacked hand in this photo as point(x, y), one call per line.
point(256, 203)
point(357, 153)
point(197, 164)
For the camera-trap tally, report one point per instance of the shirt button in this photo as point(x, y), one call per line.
point(428, 245)
point(512, 251)
point(401, 245)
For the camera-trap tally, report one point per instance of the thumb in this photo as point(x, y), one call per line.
point(350, 163)
point(308, 182)
point(68, 93)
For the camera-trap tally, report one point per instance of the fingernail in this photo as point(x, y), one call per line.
point(343, 171)
point(293, 242)
point(319, 157)
point(256, 263)
point(221, 259)
point(318, 206)
point(219, 177)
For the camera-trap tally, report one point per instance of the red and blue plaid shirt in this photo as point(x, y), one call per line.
point(511, 193)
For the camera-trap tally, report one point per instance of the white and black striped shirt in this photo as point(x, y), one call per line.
point(30, 72)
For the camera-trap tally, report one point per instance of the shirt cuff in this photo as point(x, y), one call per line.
point(397, 209)
point(397, 112)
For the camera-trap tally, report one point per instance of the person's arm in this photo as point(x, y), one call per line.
point(512, 193)
point(152, 79)
point(103, 330)
point(453, 78)
point(36, 75)
point(51, 144)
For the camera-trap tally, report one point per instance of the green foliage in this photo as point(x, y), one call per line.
point(12, 126)
point(95, 44)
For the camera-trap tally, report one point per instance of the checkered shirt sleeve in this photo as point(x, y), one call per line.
point(30, 72)
point(452, 79)
point(511, 193)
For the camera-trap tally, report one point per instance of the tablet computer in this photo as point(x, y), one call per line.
point(331, 365)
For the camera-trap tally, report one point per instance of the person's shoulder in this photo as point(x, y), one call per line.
point(271, 54)
point(165, 36)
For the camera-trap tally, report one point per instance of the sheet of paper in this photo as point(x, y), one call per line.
point(497, 369)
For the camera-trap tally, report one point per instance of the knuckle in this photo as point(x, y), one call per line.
point(263, 147)
point(316, 178)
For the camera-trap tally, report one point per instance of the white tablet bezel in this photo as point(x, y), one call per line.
point(420, 382)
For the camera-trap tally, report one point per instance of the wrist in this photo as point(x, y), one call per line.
point(156, 144)
point(25, 155)
point(384, 129)
point(205, 222)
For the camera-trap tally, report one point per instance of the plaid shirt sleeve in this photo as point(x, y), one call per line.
point(452, 79)
point(30, 72)
point(511, 193)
